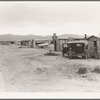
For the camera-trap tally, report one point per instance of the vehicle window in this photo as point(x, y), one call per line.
point(65, 45)
point(78, 44)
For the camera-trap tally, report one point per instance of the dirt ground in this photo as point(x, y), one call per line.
point(29, 70)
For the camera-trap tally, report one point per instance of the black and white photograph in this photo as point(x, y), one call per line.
point(49, 46)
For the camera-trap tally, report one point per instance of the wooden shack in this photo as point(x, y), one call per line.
point(59, 42)
point(94, 46)
point(32, 43)
point(26, 43)
point(7, 42)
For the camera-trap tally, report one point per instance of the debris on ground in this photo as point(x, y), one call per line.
point(51, 53)
point(40, 70)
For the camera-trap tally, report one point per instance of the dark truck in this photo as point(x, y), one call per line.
point(77, 49)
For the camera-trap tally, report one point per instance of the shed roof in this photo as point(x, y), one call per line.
point(71, 38)
point(78, 38)
point(92, 37)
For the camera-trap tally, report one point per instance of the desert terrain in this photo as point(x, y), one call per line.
point(30, 70)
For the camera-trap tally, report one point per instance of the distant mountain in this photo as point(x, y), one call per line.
point(70, 35)
point(11, 37)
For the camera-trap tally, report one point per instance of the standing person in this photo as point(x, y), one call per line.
point(21, 43)
point(87, 52)
point(70, 53)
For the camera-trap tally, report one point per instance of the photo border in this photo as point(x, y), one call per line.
point(48, 96)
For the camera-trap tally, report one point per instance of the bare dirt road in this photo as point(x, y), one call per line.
point(29, 70)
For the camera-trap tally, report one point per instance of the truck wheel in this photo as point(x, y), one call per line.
point(88, 56)
point(83, 57)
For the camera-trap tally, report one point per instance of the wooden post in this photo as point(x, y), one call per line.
point(34, 44)
point(55, 45)
point(29, 43)
point(54, 37)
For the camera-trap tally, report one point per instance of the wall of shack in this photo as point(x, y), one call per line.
point(59, 43)
point(91, 48)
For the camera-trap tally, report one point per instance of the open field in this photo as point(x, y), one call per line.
point(29, 70)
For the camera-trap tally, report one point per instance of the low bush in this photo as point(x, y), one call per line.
point(50, 53)
point(82, 70)
point(96, 70)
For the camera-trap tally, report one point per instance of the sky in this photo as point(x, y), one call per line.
point(48, 17)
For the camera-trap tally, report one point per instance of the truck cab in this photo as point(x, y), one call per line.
point(74, 49)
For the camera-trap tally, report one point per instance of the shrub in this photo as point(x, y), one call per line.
point(96, 70)
point(50, 53)
point(82, 70)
